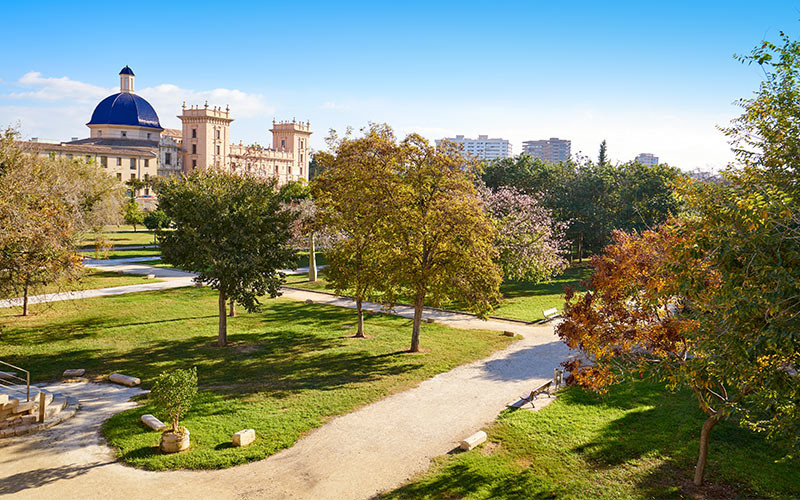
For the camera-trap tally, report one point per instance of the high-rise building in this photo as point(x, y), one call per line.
point(554, 150)
point(483, 147)
point(647, 159)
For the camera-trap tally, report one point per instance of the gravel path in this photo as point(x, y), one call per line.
point(354, 456)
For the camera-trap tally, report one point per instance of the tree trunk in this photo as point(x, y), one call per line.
point(312, 259)
point(360, 330)
point(25, 299)
point(580, 248)
point(222, 339)
point(701, 460)
point(419, 301)
point(233, 308)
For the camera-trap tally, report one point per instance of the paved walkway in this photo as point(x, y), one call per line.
point(355, 456)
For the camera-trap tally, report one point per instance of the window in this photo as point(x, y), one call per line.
point(194, 164)
point(99, 133)
point(133, 176)
point(194, 149)
point(148, 135)
point(119, 161)
point(217, 149)
point(276, 170)
point(147, 163)
point(104, 161)
point(133, 163)
point(146, 177)
point(168, 158)
point(194, 133)
point(217, 134)
point(124, 134)
point(119, 177)
point(283, 143)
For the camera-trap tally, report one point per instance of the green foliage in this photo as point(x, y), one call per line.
point(592, 199)
point(232, 230)
point(156, 219)
point(295, 191)
point(173, 392)
point(132, 214)
point(46, 206)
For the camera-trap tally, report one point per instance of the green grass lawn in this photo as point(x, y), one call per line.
point(117, 238)
point(126, 254)
point(521, 300)
point(638, 442)
point(289, 369)
point(92, 279)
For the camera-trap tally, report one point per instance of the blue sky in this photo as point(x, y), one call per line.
point(646, 76)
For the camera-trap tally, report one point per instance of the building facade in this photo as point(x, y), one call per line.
point(552, 150)
point(483, 147)
point(127, 139)
point(647, 159)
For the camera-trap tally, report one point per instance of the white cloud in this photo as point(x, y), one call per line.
point(334, 105)
point(58, 89)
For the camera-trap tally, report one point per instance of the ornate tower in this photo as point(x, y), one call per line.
point(126, 80)
point(206, 137)
point(292, 137)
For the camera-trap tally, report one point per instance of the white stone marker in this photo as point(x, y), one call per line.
point(150, 277)
point(153, 422)
point(124, 379)
point(245, 437)
point(76, 372)
point(473, 441)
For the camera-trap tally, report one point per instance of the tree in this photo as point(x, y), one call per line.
point(602, 157)
point(529, 242)
point(173, 393)
point(132, 214)
point(155, 220)
point(46, 206)
point(438, 242)
point(232, 230)
point(350, 205)
point(709, 301)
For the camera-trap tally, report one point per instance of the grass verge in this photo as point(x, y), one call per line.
point(640, 441)
point(93, 279)
point(290, 367)
point(521, 300)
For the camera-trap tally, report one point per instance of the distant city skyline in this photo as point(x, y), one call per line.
point(439, 69)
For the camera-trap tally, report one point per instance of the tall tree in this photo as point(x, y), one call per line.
point(233, 231)
point(349, 199)
point(530, 243)
point(132, 214)
point(602, 157)
point(47, 205)
point(438, 240)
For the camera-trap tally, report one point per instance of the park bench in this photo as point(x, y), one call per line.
point(551, 385)
point(549, 314)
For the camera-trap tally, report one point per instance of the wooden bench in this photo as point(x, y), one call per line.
point(542, 389)
point(549, 314)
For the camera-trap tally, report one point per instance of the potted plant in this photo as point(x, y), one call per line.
point(173, 393)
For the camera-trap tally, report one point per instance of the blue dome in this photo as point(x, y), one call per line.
point(125, 109)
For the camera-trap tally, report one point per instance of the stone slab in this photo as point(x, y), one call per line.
point(245, 437)
point(73, 373)
point(473, 441)
point(153, 422)
point(124, 379)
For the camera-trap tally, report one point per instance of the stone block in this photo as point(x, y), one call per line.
point(124, 379)
point(309, 301)
point(153, 422)
point(245, 437)
point(24, 407)
point(429, 320)
point(508, 333)
point(150, 277)
point(75, 372)
point(473, 441)
point(3, 399)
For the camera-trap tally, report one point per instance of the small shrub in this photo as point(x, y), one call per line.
point(173, 393)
